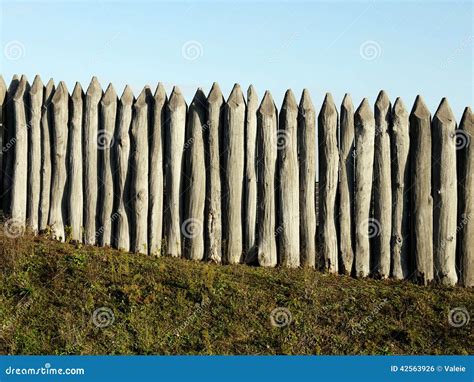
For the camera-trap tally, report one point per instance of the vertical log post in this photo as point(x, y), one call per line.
point(140, 171)
point(364, 159)
point(74, 164)
point(174, 144)
point(91, 126)
point(122, 147)
point(400, 143)
point(34, 153)
point(58, 212)
point(421, 201)
point(108, 114)
point(250, 211)
point(328, 179)
point(307, 179)
point(46, 128)
point(288, 181)
point(267, 121)
point(346, 186)
point(465, 146)
point(233, 149)
point(445, 195)
point(3, 101)
point(20, 154)
point(156, 139)
point(195, 183)
point(9, 146)
point(213, 137)
point(382, 231)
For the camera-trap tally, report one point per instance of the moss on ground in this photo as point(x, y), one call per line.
point(49, 292)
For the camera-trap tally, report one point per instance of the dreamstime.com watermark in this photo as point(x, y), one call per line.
point(44, 370)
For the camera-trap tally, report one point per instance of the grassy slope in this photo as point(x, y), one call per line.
point(49, 291)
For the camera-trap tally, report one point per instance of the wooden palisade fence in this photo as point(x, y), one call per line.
point(232, 181)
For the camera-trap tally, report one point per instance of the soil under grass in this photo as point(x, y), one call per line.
point(49, 292)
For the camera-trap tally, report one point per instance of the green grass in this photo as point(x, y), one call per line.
point(49, 292)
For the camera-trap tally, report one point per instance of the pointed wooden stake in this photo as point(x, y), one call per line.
point(233, 149)
point(400, 143)
point(34, 152)
point(267, 154)
point(445, 199)
point(465, 146)
point(8, 148)
point(213, 137)
point(46, 142)
point(20, 154)
point(122, 149)
point(75, 202)
point(288, 232)
point(421, 203)
point(91, 127)
point(195, 183)
point(382, 188)
point(328, 171)
point(140, 171)
point(307, 179)
point(250, 179)
point(174, 144)
point(364, 160)
point(106, 163)
point(155, 214)
point(346, 186)
point(60, 115)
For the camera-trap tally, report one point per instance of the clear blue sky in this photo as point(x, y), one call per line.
point(405, 48)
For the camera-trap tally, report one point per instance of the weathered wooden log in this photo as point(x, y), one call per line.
point(90, 151)
point(34, 153)
point(46, 127)
point(58, 207)
point(307, 179)
point(267, 121)
point(364, 159)
point(192, 227)
point(122, 147)
point(465, 146)
point(155, 202)
point(140, 170)
point(328, 179)
point(75, 201)
point(20, 154)
point(382, 188)
point(400, 143)
point(3, 101)
point(250, 181)
point(9, 146)
point(107, 166)
point(445, 197)
point(288, 227)
point(174, 145)
point(233, 153)
point(346, 186)
point(213, 137)
point(421, 201)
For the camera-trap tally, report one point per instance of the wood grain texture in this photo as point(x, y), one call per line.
point(233, 174)
point(267, 122)
point(364, 139)
point(328, 179)
point(400, 143)
point(445, 199)
point(421, 201)
point(307, 179)
point(346, 186)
